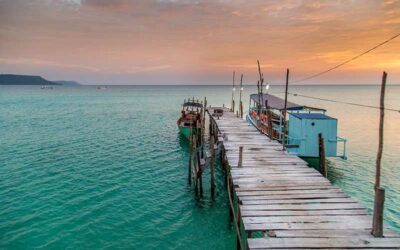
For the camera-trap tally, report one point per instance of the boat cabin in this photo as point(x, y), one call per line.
point(303, 124)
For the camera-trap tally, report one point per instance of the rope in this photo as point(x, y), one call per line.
point(349, 60)
point(343, 63)
point(348, 103)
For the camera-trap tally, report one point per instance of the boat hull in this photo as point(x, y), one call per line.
point(185, 131)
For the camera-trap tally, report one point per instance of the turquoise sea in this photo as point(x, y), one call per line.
point(83, 168)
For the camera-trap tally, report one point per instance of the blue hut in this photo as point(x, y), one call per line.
point(304, 124)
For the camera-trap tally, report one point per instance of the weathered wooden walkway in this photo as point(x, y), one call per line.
point(291, 204)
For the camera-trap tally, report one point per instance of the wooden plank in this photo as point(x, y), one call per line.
point(293, 207)
point(303, 213)
point(330, 233)
point(299, 201)
point(319, 187)
point(264, 180)
point(273, 176)
point(308, 219)
point(288, 192)
point(366, 225)
point(275, 169)
point(310, 243)
point(261, 186)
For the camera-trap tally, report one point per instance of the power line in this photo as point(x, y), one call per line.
point(347, 61)
point(348, 103)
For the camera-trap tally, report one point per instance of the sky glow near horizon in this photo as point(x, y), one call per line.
point(199, 41)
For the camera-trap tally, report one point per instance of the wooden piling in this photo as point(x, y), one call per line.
point(215, 132)
point(285, 110)
point(240, 163)
point(239, 228)
point(212, 166)
point(190, 156)
point(377, 223)
point(322, 161)
point(200, 173)
point(195, 165)
point(210, 128)
point(230, 195)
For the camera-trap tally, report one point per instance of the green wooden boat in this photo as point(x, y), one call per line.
point(190, 116)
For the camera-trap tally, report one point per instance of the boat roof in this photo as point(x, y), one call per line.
point(192, 104)
point(319, 116)
point(275, 102)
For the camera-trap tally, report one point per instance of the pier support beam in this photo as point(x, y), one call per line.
point(212, 167)
point(240, 163)
point(377, 224)
point(239, 228)
point(190, 156)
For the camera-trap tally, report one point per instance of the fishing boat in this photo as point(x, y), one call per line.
point(46, 87)
point(303, 125)
point(190, 118)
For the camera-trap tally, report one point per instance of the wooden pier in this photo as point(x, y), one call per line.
point(289, 204)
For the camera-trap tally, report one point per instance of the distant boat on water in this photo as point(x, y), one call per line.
point(102, 87)
point(46, 87)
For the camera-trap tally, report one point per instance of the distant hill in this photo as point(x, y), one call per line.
point(9, 79)
point(68, 83)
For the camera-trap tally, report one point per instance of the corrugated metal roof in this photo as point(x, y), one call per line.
point(193, 104)
point(312, 116)
point(275, 102)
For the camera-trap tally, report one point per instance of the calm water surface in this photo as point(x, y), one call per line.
point(86, 168)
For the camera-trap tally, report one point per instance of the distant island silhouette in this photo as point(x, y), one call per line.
point(11, 79)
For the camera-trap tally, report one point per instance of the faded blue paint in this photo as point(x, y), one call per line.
point(303, 130)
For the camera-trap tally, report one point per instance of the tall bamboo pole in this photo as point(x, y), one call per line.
point(261, 83)
point(233, 93)
point(285, 110)
point(377, 222)
point(259, 86)
point(240, 97)
point(381, 124)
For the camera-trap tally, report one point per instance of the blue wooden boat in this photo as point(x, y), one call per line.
point(303, 124)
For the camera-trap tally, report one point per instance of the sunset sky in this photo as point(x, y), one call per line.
point(198, 42)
